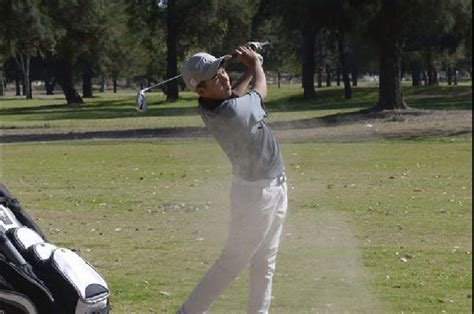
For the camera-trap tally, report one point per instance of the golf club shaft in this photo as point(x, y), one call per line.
point(253, 45)
point(162, 83)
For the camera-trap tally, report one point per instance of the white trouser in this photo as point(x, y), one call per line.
point(257, 215)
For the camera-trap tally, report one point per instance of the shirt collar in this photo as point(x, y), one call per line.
point(211, 104)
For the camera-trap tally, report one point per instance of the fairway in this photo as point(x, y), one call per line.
point(152, 214)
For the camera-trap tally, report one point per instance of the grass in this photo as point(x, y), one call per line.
point(117, 110)
point(151, 215)
point(153, 221)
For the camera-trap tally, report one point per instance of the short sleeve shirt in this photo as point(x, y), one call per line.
point(238, 124)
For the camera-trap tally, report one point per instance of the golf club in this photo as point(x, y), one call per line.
point(141, 104)
point(162, 4)
point(141, 99)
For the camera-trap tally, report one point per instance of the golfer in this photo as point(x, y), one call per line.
point(236, 118)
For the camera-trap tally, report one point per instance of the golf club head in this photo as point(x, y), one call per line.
point(141, 101)
point(258, 45)
point(162, 4)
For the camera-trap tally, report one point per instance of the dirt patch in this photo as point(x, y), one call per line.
point(333, 267)
point(410, 124)
point(406, 124)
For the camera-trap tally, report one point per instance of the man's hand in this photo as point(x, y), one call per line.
point(250, 59)
point(247, 56)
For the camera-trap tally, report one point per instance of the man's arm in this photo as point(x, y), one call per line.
point(248, 57)
point(242, 84)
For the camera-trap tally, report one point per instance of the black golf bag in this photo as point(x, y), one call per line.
point(36, 276)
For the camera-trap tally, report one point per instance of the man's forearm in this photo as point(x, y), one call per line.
point(242, 84)
point(260, 81)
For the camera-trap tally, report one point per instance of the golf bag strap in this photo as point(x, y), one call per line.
point(8, 200)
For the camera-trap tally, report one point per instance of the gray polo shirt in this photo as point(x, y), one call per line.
point(238, 125)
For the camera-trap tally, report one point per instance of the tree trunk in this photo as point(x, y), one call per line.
point(320, 77)
point(171, 43)
point(355, 75)
point(23, 61)
point(49, 85)
point(279, 79)
point(30, 90)
point(2, 86)
point(309, 45)
point(434, 76)
point(338, 76)
point(328, 75)
point(345, 71)
point(449, 74)
point(65, 75)
point(456, 78)
point(49, 81)
point(432, 71)
point(115, 85)
point(87, 81)
point(425, 78)
point(102, 84)
point(415, 74)
point(390, 89)
point(17, 87)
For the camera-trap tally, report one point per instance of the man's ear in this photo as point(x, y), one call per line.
point(201, 91)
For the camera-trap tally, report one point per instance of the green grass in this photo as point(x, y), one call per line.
point(138, 211)
point(117, 110)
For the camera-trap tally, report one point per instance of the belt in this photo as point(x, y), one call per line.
point(277, 181)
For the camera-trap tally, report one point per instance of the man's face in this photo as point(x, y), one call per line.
point(217, 87)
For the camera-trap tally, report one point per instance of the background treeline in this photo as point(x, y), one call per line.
point(64, 42)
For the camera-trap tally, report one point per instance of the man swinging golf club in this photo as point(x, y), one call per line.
point(259, 202)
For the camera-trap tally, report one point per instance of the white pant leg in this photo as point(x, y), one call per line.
point(263, 263)
point(253, 210)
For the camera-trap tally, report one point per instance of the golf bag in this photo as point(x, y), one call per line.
point(36, 277)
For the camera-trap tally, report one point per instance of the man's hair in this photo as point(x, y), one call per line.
point(202, 84)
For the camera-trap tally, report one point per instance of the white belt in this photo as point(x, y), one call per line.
point(277, 181)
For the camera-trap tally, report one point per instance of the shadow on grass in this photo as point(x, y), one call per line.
point(433, 98)
point(107, 109)
point(201, 132)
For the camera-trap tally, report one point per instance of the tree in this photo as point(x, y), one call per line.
point(390, 24)
point(311, 18)
point(25, 34)
point(343, 50)
point(307, 17)
point(2, 77)
point(78, 28)
point(283, 53)
point(123, 55)
point(213, 26)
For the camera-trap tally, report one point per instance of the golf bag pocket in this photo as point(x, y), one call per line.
point(41, 253)
point(23, 238)
point(7, 219)
point(20, 289)
point(13, 302)
point(75, 283)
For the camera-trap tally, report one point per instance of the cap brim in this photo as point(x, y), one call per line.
point(214, 68)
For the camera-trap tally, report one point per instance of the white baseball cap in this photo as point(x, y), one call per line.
point(200, 67)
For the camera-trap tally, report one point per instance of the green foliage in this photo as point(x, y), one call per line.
point(211, 25)
point(127, 38)
point(25, 28)
point(79, 26)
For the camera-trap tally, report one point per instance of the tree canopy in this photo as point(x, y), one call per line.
point(143, 42)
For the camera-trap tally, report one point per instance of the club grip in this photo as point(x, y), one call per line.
point(9, 250)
